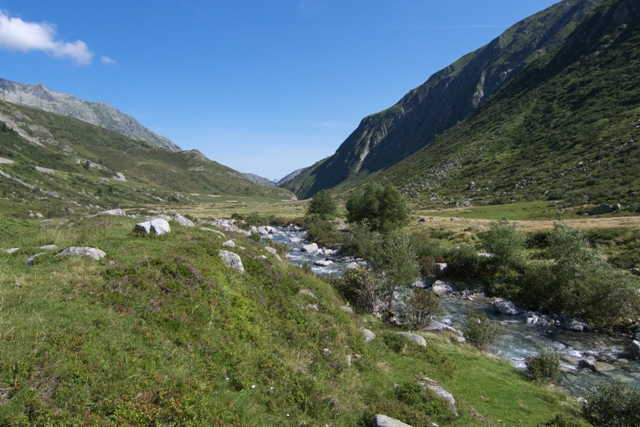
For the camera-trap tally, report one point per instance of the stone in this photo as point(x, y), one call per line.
point(346, 309)
point(29, 261)
point(588, 363)
point(143, 227)
point(164, 217)
point(312, 248)
point(437, 327)
point(263, 230)
point(384, 421)
point(313, 307)
point(114, 212)
point(635, 271)
point(635, 350)
point(229, 244)
point(232, 260)
point(505, 307)
point(602, 209)
point(270, 250)
point(39, 215)
point(12, 250)
point(186, 222)
point(422, 284)
point(422, 220)
point(70, 211)
point(270, 229)
point(211, 230)
point(295, 240)
point(368, 335)
point(413, 337)
point(572, 324)
point(48, 247)
point(441, 288)
point(93, 253)
point(322, 263)
point(352, 265)
point(444, 394)
point(160, 226)
point(465, 204)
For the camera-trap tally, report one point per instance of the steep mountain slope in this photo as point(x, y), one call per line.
point(448, 97)
point(97, 113)
point(290, 176)
point(53, 162)
point(568, 127)
point(256, 179)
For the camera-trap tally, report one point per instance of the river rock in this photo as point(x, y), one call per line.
point(232, 260)
point(263, 230)
point(602, 209)
point(312, 248)
point(588, 363)
point(368, 335)
point(93, 253)
point(422, 283)
point(295, 240)
point(384, 421)
point(352, 265)
point(572, 324)
point(271, 230)
point(323, 263)
point(635, 350)
point(182, 220)
point(114, 212)
point(437, 327)
point(441, 288)
point(505, 307)
point(413, 337)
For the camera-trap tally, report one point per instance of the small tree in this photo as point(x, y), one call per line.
point(383, 208)
point(479, 330)
point(421, 307)
point(398, 263)
point(322, 206)
point(543, 367)
point(504, 243)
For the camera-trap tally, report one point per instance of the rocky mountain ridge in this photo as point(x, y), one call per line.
point(96, 113)
point(448, 97)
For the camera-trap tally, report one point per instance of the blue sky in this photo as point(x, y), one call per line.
point(262, 87)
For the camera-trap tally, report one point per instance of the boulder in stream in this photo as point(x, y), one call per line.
point(635, 350)
point(503, 306)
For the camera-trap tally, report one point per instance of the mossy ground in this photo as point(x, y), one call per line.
point(162, 333)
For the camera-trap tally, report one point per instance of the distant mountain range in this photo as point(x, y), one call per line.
point(448, 97)
point(259, 180)
point(97, 113)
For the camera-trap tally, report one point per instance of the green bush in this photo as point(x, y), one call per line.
point(362, 242)
point(398, 263)
point(543, 367)
point(323, 232)
point(613, 405)
point(464, 263)
point(479, 330)
point(421, 307)
point(360, 288)
point(626, 260)
point(383, 208)
point(505, 243)
point(322, 206)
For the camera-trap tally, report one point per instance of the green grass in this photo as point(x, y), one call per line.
point(160, 332)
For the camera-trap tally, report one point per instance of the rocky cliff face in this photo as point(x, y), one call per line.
point(97, 113)
point(449, 96)
point(256, 179)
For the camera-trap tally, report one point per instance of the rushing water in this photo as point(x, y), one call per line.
point(517, 339)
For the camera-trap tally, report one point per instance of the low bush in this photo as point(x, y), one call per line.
point(421, 307)
point(543, 367)
point(464, 263)
point(360, 288)
point(479, 330)
point(626, 260)
point(322, 232)
point(613, 405)
point(362, 242)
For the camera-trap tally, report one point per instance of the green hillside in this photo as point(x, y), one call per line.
point(568, 127)
point(82, 161)
point(448, 97)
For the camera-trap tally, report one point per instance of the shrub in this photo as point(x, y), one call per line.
point(322, 206)
point(428, 267)
point(360, 288)
point(362, 242)
point(421, 307)
point(383, 207)
point(323, 232)
point(464, 263)
point(543, 367)
point(398, 262)
point(479, 330)
point(505, 243)
point(626, 260)
point(613, 405)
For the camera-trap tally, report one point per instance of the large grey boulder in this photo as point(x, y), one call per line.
point(232, 260)
point(263, 230)
point(602, 209)
point(311, 248)
point(384, 421)
point(114, 212)
point(441, 288)
point(158, 226)
point(572, 324)
point(438, 328)
point(415, 338)
point(182, 220)
point(92, 253)
point(505, 307)
point(368, 335)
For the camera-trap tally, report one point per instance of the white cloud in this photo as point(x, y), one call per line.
point(16, 34)
point(108, 61)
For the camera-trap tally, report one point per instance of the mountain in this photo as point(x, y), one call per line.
point(258, 180)
point(290, 176)
point(97, 113)
point(51, 162)
point(566, 128)
point(448, 97)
